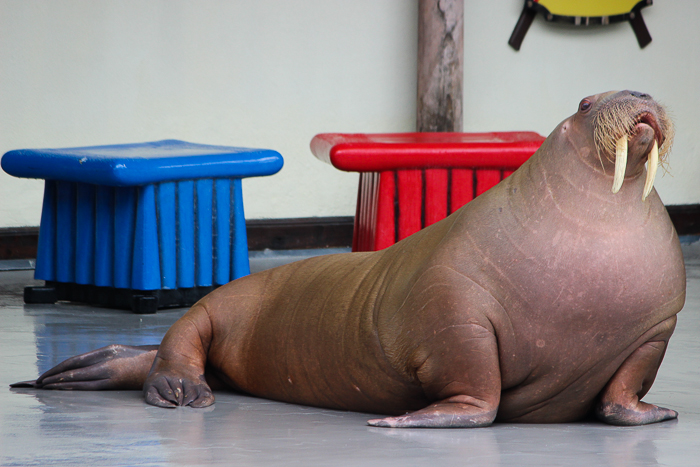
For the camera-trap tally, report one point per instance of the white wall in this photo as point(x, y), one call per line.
point(272, 74)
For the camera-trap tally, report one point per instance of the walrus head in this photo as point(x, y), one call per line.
point(629, 129)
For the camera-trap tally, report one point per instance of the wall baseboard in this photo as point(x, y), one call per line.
point(686, 218)
point(18, 242)
point(299, 233)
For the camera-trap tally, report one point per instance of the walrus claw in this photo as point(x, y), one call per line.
point(169, 392)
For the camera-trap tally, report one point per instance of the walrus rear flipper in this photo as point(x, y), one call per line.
point(466, 384)
point(620, 402)
point(24, 384)
point(456, 412)
point(111, 367)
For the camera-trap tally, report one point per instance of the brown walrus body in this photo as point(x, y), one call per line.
point(543, 299)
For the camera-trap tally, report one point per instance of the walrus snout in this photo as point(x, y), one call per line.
point(625, 117)
point(619, 114)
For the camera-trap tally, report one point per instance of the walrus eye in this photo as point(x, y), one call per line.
point(584, 106)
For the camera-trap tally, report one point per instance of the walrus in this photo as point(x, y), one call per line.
point(550, 298)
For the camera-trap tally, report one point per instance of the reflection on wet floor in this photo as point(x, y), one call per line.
point(117, 428)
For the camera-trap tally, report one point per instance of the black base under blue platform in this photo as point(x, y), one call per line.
point(139, 301)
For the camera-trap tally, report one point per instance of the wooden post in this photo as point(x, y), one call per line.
point(440, 56)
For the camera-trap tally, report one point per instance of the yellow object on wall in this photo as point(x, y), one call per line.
point(588, 8)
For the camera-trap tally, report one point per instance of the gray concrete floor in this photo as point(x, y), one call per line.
point(116, 428)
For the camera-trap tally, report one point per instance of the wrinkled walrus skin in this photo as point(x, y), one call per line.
point(546, 299)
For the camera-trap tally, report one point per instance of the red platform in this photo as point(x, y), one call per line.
point(411, 180)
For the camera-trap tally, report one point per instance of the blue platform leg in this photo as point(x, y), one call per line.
point(145, 272)
point(85, 234)
point(124, 213)
point(241, 262)
point(185, 231)
point(205, 252)
point(65, 231)
point(167, 224)
point(46, 249)
point(104, 236)
point(223, 232)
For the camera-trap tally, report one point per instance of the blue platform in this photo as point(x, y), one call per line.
point(140, 225)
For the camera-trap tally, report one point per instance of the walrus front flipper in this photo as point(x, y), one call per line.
point(177, 376)
point(111, 367)
point(620, 402)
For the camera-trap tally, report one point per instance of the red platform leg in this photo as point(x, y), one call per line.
point(386, 221)
point(435, 195)
point(486, 179)
point(410, 202)
point(462, 188)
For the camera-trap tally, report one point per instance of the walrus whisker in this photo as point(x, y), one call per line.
point(619, 118)
point(600, 158)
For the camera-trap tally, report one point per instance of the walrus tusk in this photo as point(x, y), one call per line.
point(653, 164)
point(620, 163)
